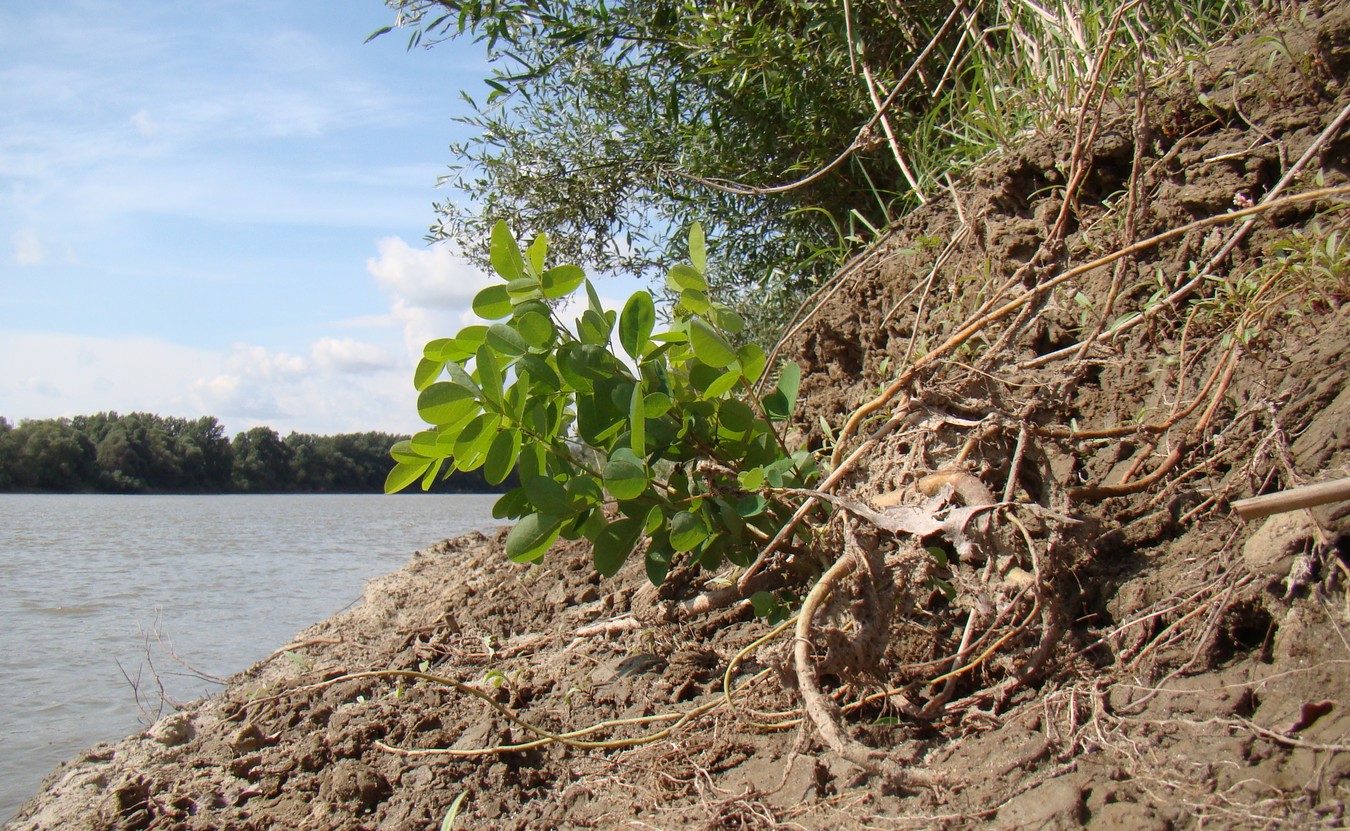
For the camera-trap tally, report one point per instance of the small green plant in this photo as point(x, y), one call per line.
point(674, 445)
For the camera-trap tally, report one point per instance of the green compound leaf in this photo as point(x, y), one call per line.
point(687, 530)
point(656, 404)
point(531, 537)
point(593, 328)
point(658, 559)
point(625, 475)
point(698, 248)
point(428, 370)
point(562, 280)
point(790, 382)
point(404, 474)
point(709, 346)
point(548, 495)
point(751, 358)
point(429, 478)
point(501, 456)
point(637, 421)
point(695, 301)
point(512, 505)
point(779, 404)
point(505, 257)
point(723, 384)
point(537, 253)
point(506, 340)
point(403, 452)
point(614, 544)
point(489, 373)
point(492, 303)
point(584, 492)
point(636, 323)
point(752, 479)
point(424, 444)
point(540, 372)
point(444, 402)
point(684, 276)
point(536, 328)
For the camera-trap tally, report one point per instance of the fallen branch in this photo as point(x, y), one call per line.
point(1307, 496)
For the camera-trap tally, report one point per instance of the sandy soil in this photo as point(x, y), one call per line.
point(1115, 651)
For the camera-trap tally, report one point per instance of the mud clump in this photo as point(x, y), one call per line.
point(1106, 646)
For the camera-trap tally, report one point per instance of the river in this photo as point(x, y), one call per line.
point(94, 590)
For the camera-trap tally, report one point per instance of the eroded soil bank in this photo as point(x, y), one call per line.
point(1115, 649)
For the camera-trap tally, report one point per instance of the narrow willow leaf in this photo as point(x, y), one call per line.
point(698, 248)
point(562, 280)
point(687, 530)
point(636, 323)
point(625, 475)
point(506, 340)
point(492, 303)
point(614, 544)
point(443, 401)
point(404, 474)
point(709, 346)
point(428, 370)
point(505, 255)
point(501, 456)
point(531, 537)
point(548, 496)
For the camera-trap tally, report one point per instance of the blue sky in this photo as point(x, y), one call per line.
point(219, 209)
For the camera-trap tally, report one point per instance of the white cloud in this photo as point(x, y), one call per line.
point(28, 248)
point(431, 277)
point(259, 362)
point(51, 375)
point(431, 289)
point(348, 355)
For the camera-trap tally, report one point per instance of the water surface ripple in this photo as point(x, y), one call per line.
point(85, 581)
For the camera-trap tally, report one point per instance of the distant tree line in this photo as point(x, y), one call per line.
point(145, 453)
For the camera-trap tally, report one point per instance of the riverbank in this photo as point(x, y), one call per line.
point(1088, 331)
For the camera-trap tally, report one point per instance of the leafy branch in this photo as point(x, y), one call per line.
point(669, 441)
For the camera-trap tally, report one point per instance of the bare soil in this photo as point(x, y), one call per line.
point(1116, 650)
